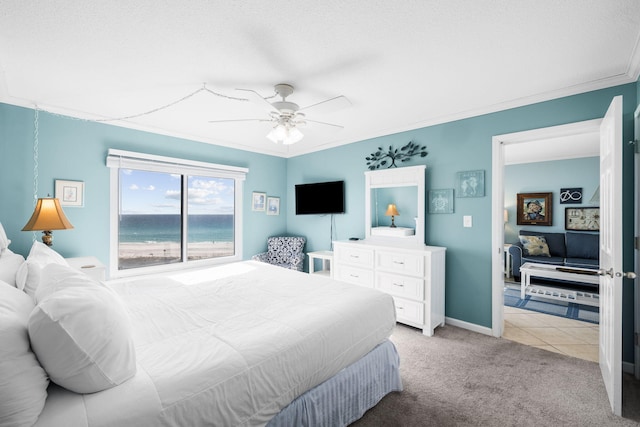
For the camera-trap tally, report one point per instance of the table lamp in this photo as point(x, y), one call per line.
point(392, 211)
point(47, 216)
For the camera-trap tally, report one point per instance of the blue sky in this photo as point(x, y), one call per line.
point(144, 192)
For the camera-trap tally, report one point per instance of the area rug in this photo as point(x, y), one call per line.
point(569, 310)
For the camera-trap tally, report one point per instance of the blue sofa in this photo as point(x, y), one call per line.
point(581, 250)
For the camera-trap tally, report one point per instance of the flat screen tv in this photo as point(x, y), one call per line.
point(320, 198)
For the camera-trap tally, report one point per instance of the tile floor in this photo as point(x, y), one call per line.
point(571, 337)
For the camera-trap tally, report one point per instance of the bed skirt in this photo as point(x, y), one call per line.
point(345, 397)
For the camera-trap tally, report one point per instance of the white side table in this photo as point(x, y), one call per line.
point(89, 265)
point(327, 260)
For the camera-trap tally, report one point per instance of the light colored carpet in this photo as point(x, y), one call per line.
point(462, 378)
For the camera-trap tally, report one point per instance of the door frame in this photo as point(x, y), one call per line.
point(497, 201)
point(636, 221)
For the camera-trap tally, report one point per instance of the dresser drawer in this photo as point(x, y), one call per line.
point(404, 263)
point(360, 257)
point(354, 275)
point(409, 311)
point(402, 286)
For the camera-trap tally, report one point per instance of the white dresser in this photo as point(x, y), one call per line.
point(412, 274)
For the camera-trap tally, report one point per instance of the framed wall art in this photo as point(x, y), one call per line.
point(582, 219)
point(258, 201)
point(470, 184)
point(441, 201)
point(273, 205)
point(534, 208)
point(570, 196)
point(70, 193)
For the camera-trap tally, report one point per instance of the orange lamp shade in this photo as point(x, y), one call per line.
point(392, 210)
point(48, 215)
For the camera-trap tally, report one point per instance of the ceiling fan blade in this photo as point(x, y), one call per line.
point(324, 123)
point(329, 105)
point(256, 98)
point(239, 120)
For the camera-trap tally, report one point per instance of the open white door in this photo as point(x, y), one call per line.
point(611, 253)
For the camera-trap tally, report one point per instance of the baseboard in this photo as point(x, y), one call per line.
point(470, 326)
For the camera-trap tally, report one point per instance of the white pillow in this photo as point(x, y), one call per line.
point(23, 382)
point(4, 242)
point(81, 332)
point(28, 275)
point(9, 265)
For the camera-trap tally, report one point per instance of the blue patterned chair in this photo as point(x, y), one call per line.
point(287, 252)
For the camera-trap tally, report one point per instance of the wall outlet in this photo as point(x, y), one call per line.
point(467, 221)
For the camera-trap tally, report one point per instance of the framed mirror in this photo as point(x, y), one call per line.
point(404, 188)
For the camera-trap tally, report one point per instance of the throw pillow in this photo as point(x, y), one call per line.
point(23, 382)
point(28, 276)
point(10, 263)
point(81, 332)
point(534, 246)
point(4, 241)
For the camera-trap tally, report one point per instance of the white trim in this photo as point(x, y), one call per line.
point(497, 236)
point(636, 252)
point(466, 325)
point(119, 159)
point(133, 160)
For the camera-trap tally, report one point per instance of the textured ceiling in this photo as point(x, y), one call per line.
point(402, 64)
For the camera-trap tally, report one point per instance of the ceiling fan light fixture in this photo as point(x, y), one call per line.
point(285, 134)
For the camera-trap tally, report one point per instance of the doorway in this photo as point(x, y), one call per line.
point(563, 141)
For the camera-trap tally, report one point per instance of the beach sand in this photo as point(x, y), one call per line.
point(140, 254)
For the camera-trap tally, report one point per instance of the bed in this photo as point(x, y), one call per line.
point(243, 344)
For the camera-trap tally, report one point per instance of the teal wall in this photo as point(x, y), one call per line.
point(460, 146)
point(76, 150)
point(548, 177)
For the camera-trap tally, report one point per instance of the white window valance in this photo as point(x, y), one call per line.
point(131, 160)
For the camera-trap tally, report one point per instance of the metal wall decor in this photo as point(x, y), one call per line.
point(403, 154)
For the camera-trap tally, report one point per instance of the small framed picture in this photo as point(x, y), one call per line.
point(273, 205)
point(70, 193)
point(534, 209)
point(470, 184)
point(441, 201)
point(570, 196)
point(582, 219)
point(258, 201)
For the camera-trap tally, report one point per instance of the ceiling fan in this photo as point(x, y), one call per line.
point(287, 117)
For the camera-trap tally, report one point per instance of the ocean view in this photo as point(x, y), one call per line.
point(147, 240)
point(166, 228)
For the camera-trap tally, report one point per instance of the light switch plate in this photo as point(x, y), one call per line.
point(467, 221)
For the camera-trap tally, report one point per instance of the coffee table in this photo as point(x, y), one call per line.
point(578, 275)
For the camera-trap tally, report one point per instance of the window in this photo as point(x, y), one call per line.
point(167, 213)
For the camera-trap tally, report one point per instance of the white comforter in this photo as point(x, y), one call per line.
point(229, 346)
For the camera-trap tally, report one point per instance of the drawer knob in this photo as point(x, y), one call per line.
point(398, 284)
point(398, 262)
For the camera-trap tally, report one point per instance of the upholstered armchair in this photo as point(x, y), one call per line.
point(287, 252)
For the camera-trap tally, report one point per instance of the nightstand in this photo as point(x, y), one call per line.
point(89, 265)
point(327, 259)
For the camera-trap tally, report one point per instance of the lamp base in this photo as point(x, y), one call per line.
point(392, 224)
point(47, 237)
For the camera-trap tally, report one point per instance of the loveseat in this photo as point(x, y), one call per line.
point(570, 249)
